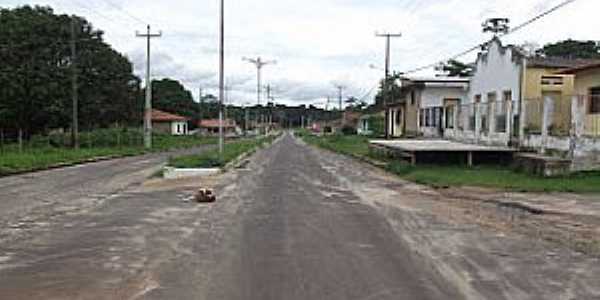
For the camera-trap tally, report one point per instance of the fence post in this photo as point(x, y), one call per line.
point(477, 121)
point(546, 120)
point(522, 119)
point(577, 123)
point(509, 120)
point(492, 116)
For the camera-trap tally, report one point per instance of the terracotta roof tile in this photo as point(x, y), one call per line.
point(161, 116)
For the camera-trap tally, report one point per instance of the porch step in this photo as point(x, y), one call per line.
point(542, 165)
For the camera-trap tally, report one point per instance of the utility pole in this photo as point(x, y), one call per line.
point(259, 63)
point(341, 104)
point(75, 95)
point(387, 37)
point(148, 105)
point(200, 105)
point(221, 75)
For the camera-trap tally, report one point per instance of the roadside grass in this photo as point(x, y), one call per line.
point(41, 155)
point(211, 159)
point(489, 176)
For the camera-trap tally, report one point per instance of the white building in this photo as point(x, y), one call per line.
point(427, 106)
point(167, 123)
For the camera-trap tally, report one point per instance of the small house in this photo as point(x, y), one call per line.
point(210, 127)
point(426, 107)
point(167, 123)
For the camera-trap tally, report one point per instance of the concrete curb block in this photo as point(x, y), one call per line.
point(66, 165)
point(174, 173)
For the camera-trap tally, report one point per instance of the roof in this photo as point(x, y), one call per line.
point(161, 116)
point(437, 79)
point(559, 62)
point(214, 123)
point(581, 68)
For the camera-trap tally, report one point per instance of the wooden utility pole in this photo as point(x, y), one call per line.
point(148, 105)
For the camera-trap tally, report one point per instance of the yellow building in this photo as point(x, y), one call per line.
point(587, 86)
point(542, 80)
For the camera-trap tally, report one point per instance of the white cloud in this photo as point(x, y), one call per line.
point(315, 42)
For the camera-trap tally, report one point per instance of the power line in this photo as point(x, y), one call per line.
point(133, 17)
point(513, 30)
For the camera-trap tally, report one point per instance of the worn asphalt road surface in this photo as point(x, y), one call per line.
point(287, 225)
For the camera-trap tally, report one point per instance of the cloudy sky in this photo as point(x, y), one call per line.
point(316, 43)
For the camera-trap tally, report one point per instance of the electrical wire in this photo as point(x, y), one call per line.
point(511, 31)
point(130, 15)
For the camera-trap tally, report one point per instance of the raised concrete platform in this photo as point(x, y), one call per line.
point(173, 173)
point(411, 149)
point(541, 165)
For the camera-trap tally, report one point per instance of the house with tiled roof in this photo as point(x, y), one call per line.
point(210, 127)
point(168, 123)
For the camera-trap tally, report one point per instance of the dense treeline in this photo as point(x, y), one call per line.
point(36, 70)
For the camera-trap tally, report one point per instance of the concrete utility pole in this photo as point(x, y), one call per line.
point(221, 75)
point(259, 63)
point(75, 95)
point(148, 105)
point(200, 105)
point(387, 37)
point(341, 102)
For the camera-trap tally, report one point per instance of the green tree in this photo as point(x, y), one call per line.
point(572, 49)
point(170, 95)
point(456, 68)
point(389, 95)
point(36, 69)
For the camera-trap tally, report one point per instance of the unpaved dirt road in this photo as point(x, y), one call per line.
point(294, 223)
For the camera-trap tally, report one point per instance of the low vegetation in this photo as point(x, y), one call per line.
point(212, 159)
point(446, 176)
point(44, 152)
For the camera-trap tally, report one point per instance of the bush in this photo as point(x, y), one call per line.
point(348, 130)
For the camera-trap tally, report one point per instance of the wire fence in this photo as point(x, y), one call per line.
point(101, 138)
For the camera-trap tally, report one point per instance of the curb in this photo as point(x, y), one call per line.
point(88, 161)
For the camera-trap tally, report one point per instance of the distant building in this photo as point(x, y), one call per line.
point(167, 123)
point(210, 127)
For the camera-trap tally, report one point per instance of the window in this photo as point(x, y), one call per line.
point(450, 116)
point(477, 99)
point(595, 100)
point(435, 117)
point(427, 117)
point(178, 128)
point(421, 117)
point(412, 98)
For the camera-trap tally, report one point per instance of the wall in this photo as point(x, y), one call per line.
point(412, 114)
point(498, 71)
point(182, 128)
point(161, 127)
point(434, 96)
point(585, 80)
point(532, 81)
